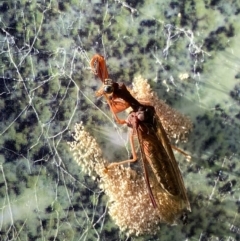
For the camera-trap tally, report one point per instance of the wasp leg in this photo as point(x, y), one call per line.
point(182, 152)
point(99, 67)
point(134, 158)
point(119, 121)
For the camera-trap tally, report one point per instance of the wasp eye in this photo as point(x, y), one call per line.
point(108, 89)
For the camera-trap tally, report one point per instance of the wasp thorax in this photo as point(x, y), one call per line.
point(108, 89)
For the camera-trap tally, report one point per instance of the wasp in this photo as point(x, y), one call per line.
point(155, 148)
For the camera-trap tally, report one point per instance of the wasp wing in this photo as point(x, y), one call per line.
point(156, 150)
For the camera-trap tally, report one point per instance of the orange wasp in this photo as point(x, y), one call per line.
point(155, 147)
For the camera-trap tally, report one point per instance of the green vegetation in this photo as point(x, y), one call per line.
point(43, 66)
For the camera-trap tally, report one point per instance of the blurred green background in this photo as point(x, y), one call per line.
point(46, 86)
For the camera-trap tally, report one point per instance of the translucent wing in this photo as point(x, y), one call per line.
point(157, 152)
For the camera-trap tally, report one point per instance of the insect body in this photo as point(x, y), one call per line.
point(155, 147)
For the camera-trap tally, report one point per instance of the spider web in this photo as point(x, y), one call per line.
point(187, 50)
